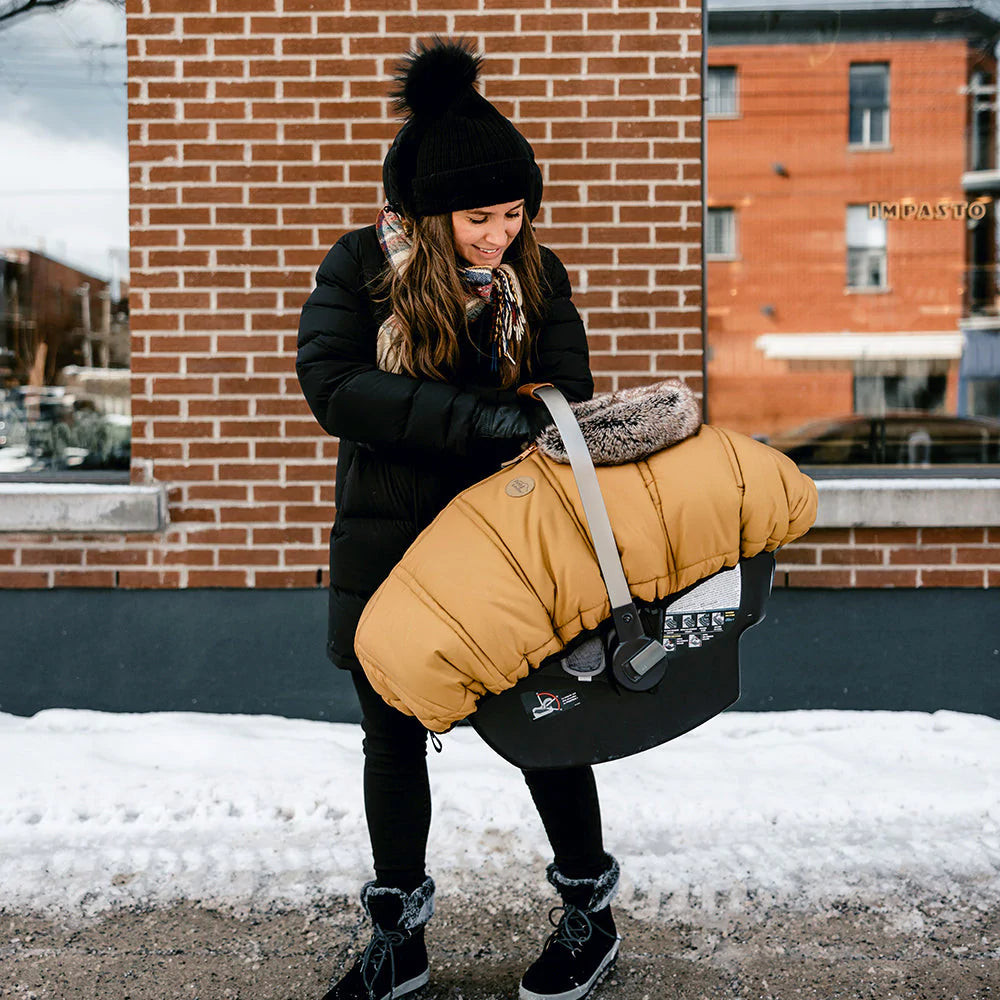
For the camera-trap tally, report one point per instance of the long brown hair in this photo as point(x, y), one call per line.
point(428, 299)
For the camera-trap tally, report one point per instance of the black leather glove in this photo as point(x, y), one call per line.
point(509, 423)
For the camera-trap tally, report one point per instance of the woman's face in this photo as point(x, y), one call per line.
point(482, 234)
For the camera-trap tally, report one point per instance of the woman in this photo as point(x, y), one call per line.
point(411, 348)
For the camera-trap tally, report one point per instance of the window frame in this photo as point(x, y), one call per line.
point(937, 383)
point(866, 142)
point(717, 72)
point(732, 253)
point(865, 253)
point(973, 382)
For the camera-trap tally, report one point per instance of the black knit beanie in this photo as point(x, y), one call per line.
point(455, 150)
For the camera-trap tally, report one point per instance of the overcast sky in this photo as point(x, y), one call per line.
point(63, 138)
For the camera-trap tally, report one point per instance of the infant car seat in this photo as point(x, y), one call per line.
point(646, 675)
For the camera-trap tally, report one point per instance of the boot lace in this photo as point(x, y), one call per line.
point(378, 952)
point(573, 930)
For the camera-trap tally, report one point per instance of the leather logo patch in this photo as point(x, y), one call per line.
point(519, 487)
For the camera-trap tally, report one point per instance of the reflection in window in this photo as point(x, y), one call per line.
point(791, 358)
point(720, 91)
point(64, 346)
point(984, 397)
point(866, 266)
point(869, 104)
point(879, 394)
point(64, 369)
point(720, 232)
point(982, 139)
point(896, 439)
point(928, 440)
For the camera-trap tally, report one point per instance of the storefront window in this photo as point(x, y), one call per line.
point(64, 332)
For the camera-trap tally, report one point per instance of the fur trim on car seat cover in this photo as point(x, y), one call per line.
point(630, 424)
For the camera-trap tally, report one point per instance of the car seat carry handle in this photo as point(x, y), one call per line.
point(594, 509)
point(639, 662)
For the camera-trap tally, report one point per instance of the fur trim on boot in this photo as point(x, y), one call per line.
point(602, 889)
point(418, 906)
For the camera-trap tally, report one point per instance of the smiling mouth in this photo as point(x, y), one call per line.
point(489, 253)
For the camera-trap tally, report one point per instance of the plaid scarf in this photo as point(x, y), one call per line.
point(497, 286)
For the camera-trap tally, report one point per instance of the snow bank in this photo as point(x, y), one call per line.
point(800, 808)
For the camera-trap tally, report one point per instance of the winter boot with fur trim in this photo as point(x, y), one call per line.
point(584, 945)
point(395, 961)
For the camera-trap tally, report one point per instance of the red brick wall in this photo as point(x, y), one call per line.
point(892, 557)
point(257, 130)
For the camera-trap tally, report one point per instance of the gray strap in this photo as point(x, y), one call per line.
point(596, 513)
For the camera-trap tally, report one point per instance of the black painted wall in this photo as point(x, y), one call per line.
point(261, 652)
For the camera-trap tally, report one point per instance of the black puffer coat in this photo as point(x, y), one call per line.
point(407, 445)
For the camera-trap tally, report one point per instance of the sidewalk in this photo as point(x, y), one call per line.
point(794, 855)
point(943, 949)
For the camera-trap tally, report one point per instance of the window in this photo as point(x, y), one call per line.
point(720, 233)
point(979, 373)
point(878, 394)
point(898, 439)
point(868, 123)
point(811, 343)
point(720, 91)
point(64, 336)
point(865, 249)
point(982, 140)
point(922, 439)
point(984, 397)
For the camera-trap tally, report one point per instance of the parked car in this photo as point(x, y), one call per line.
point(904, 438)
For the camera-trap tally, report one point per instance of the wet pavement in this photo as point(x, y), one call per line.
point(934, 949)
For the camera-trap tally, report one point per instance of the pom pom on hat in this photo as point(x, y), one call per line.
point(430, 79)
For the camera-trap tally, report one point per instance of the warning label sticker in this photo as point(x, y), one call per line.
point(693, 629)
point(542, 704)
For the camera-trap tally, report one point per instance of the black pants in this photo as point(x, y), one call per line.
point(398, 800)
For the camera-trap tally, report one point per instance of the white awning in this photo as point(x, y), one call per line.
point(861, 346)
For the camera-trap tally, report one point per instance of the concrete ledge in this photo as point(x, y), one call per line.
point(843, 503)
point(58, 507)
point(908, 503)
